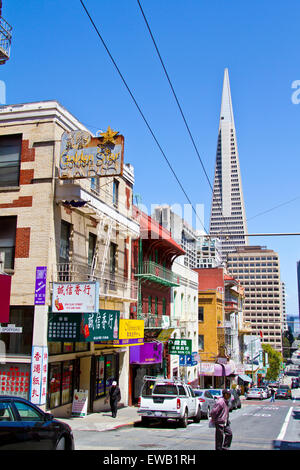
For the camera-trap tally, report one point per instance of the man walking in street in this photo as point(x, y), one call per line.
point(220, 418)
point(272, 395)
point(114, 398)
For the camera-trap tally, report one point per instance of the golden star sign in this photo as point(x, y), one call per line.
point(109, 135)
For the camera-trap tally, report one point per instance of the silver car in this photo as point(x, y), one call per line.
point(206, 401)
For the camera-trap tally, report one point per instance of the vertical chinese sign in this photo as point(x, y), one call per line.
point(38, 379)
point(40, 285)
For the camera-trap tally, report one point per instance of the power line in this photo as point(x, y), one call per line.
point(140, 111)
point(180, 108)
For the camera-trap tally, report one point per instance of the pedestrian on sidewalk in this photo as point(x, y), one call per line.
point(114, 396)
point(272, 395)
point(220, 419)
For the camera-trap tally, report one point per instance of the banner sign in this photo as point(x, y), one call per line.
point(75, 297)
point(207, 368)
point(131, 333)
point(148, 353)
point(84, 327)
point(40, 285)
point(38, 379)
point(80, 402)
point(180, 346)
point(5, 287)
point(84, 156)
point(188, 359)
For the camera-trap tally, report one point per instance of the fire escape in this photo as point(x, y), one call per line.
point(5, 38)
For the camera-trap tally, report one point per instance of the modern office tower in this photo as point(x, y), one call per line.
point(228, 211)
point(258, 270)
point(284, 316)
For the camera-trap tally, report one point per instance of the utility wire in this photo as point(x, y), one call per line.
point(140, 111)
point(181, 111)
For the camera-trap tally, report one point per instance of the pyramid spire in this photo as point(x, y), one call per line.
point(228, 211)
point(226, 104)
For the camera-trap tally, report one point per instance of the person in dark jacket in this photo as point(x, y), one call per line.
point(114, 398)
point(220, 418)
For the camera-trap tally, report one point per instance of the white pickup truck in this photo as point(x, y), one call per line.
point(168, 399)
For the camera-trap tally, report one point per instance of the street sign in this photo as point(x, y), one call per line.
point(180, 346)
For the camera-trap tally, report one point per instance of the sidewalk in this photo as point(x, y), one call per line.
point(103, 421)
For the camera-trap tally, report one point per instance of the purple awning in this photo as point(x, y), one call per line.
point(221, 370)
point(148, 353)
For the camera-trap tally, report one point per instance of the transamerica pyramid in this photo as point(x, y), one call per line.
point(227, 210)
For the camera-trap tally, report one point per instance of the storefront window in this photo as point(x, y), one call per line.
point(16, 343)
point(59, 348)
point(60, 383)
point(106, 373)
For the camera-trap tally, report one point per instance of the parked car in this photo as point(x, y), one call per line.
point(206, 401)
point(266, 389)
point(265, 392)
point(295, 382)
point(24, 426)
point(216, 392)
point(283, 391)
point(255, 393)
point(235, 400)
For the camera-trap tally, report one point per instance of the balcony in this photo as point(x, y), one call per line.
point(152, 321)
point(5, 40)
point(113, 285)
point(156, 273)
point(99, 203)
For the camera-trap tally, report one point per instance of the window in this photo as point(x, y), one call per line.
point(60, 383)
point(113, 258)
point(149, 304)
point(6, 413)
point(64, 251)
point(92, 248)
point(106, 371)
point(116, 193)
point(164, 306)
point(201, 342)
point(156, 305)
point(10, 153)
point(8, 240)
point(200, 313)
point(16, 343)
point(27, 412)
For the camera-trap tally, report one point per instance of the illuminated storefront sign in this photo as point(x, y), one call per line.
point(84, 156)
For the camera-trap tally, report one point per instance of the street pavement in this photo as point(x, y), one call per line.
point(103, 420)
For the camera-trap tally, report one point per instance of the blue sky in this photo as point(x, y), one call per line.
point(57, 55)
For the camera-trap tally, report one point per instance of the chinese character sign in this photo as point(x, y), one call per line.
point(38, 380)
point(180, 346)
point(84, 327)
point(100, 326)
point(75, 297)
